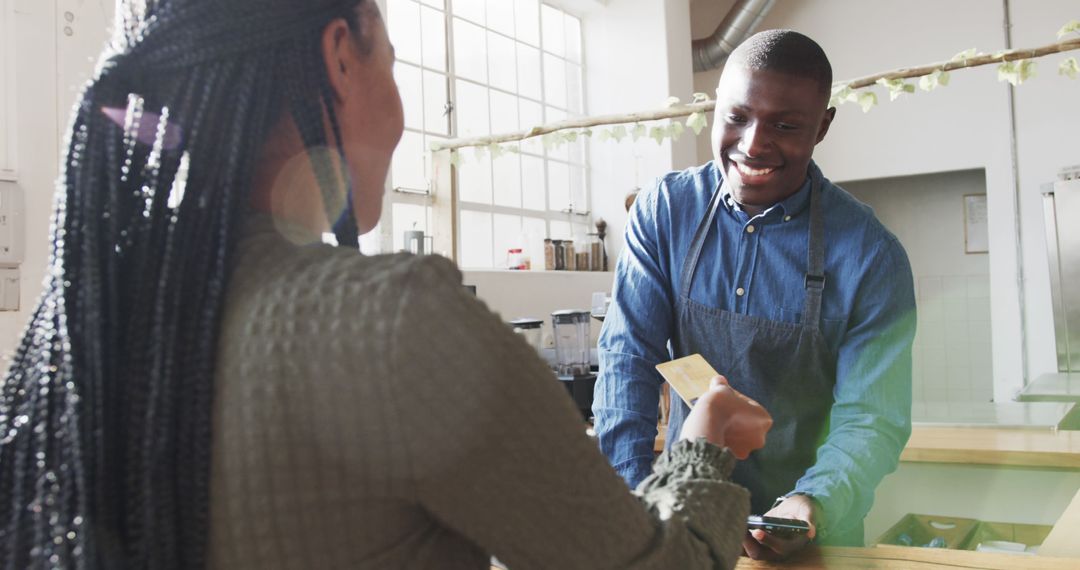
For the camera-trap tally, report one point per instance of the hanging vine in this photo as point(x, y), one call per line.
point(1014, 66)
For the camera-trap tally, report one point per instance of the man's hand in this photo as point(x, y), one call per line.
point(761, 545)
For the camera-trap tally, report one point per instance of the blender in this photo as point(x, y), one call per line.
point(572, 337)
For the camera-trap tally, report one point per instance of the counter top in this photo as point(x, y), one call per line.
point(1020, 447)
point(1053, 387)
point(1062, 539)
point(887, 557)
point(994, 446)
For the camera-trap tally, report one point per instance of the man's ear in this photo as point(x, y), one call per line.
point(339, 56)
point(826, 121)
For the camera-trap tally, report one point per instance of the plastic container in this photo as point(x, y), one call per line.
point(572, 337)
point(532, 330)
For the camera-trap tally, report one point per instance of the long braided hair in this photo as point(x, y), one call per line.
point(105, 413)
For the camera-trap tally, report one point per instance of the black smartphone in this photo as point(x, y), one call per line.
point(783, 528)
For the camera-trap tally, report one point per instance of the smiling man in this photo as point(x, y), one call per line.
point(786, 284)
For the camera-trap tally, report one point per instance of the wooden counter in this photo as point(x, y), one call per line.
point(1062, 540)
point(899, 557)
point(888, 557)
point(994, 446)
point(985, 446)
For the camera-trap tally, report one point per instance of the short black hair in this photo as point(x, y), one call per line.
point(785, 51)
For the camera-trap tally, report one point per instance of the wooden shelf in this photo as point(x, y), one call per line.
point(994, 446)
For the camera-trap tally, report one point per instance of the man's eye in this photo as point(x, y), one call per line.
point(786, 126)
point(737, 119)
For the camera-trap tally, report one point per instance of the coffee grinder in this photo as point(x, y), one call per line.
point(572, 338)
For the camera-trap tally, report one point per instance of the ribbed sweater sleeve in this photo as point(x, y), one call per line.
point(497, 452)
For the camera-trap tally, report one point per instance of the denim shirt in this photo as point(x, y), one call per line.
point(867, 317)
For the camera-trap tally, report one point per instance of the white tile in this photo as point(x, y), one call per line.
point(930, 287)
point(955, 287)
point(978, 286)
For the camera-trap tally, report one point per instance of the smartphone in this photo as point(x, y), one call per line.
point(783, 528)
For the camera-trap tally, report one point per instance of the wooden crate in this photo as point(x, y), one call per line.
point(924, 528)
point(1029, 534)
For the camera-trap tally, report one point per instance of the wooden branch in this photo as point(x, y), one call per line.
point(974, 61)
point(708, 106)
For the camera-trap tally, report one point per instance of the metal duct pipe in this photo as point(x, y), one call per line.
point(736, 26)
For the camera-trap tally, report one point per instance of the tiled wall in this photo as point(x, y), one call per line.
point(952, 351)
point(952, 345)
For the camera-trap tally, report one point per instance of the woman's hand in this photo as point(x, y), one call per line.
point(727, 418)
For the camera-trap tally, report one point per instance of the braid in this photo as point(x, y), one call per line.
point(105, 413)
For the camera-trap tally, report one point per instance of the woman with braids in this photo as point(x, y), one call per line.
point(205, 385)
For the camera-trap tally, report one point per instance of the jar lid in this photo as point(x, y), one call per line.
point(526, 323)
point(570, 316)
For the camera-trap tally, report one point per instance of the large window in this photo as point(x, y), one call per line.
point(7, 91)
point(478, 67)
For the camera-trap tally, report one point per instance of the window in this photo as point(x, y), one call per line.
point(479, 67)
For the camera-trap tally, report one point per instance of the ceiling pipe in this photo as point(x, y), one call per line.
point(737, 25)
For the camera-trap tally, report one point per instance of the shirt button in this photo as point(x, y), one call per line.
point(787, 218)
point(740, 291)
point(749, 229)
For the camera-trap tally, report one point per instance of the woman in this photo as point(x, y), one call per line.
point(204, 385)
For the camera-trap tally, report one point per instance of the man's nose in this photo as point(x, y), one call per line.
point(754, 141)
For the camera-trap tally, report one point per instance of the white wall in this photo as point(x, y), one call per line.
point(952, 351)
point(963, 126)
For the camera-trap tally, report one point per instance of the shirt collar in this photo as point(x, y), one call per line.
point(790, 207)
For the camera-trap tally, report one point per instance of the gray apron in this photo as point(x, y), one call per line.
point(787, 367)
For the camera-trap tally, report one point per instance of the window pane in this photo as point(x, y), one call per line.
point(558, 186)
point(532, 115)
point(435, 118)
point(474, 179)
point(407, 168)
point(552, 21)
point(408, 217)
point(560, 230)
point(528, 68)
point(576, 150)
point(554, 81)
point(507, 230)
point(502, 59)
point(440, 4)
point(402, 22)
point(507, 180)
point(534, 230)
point(472, 109)
point(573, 38)
point(470, 54)
point(433, 24)
point(533, 189)
point(408, 81)
point(577, 189)
point(475, 239)
point(470, 9)
point(504, 113)
point(574, 95)
point(527, 15)
point(500, 16)
point(561, 152)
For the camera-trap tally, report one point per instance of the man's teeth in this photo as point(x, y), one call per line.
point(746, 170)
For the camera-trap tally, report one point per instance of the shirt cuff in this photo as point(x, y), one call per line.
point(697, 459)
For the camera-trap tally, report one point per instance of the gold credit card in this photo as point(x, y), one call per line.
point(689, 376)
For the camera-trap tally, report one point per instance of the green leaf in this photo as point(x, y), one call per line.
point(658, 134)
point(551, 141)
point(675, 130)
point(697, 122)
point(964, 55)
point(671, 101)
point(896, 87)
point(840, 94)
point(586, 132)
point(455, 158)
point(569, 136)
point(936, 79)
point(1016, 72)
point(638, 131)
point(701, 97)
point(496, 150)
point(604, 136)
point(619, 133)
point(479, 152)
point(1069, 68)
point(1073, 27)
point(866, 100)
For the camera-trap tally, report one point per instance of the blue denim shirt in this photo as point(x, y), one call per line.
point(868, 319)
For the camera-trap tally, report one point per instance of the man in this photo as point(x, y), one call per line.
point(786, 284)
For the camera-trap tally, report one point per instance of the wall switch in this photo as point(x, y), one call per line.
point(9, 289)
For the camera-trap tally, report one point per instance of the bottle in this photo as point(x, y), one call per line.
point(515, 260)
point(549, 255)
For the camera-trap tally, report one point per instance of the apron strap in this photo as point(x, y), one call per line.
point(690, 265)
point(815, 264)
